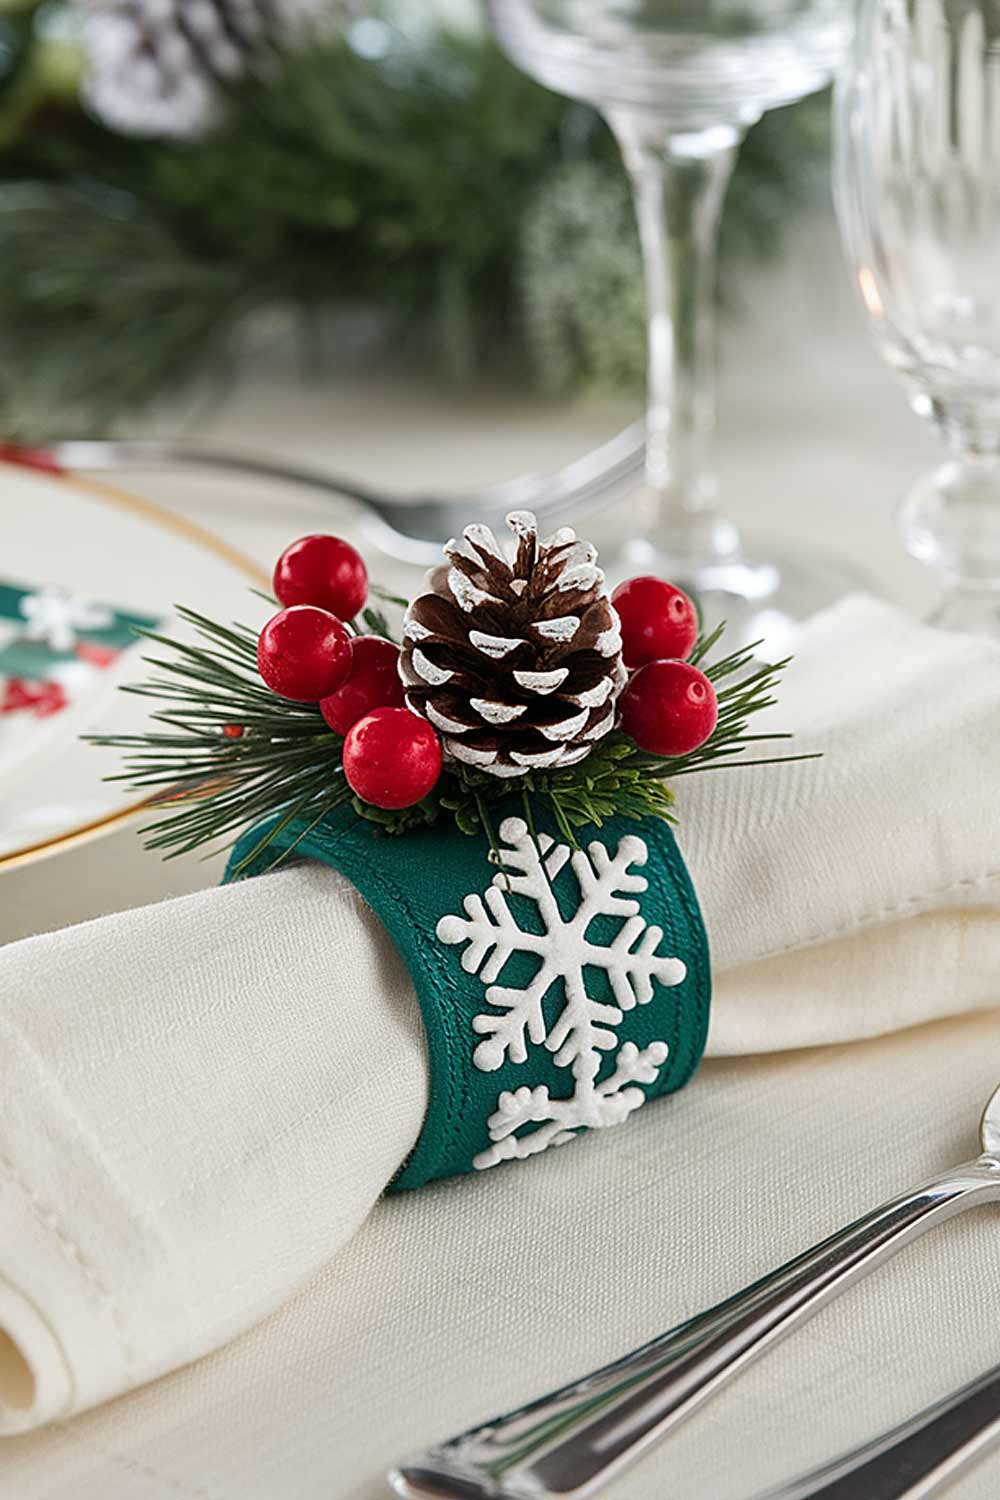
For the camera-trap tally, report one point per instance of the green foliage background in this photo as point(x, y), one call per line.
point(485, 219)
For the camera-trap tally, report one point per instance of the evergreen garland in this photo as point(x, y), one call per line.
point(437, 184)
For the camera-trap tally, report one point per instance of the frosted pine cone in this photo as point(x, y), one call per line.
point(518, 665)
point(155, 66)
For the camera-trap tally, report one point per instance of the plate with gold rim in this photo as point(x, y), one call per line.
point(82, 568)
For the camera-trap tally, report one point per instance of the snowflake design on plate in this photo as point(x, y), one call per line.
point(585, 1028)
point(54, 617)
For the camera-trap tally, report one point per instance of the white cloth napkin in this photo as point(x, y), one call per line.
point(201, 1101)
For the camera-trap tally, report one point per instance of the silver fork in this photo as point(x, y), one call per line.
point(413, 528)
point(571, 1442)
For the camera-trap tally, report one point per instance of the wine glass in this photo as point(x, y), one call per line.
point(918, 196)
point(680, 82)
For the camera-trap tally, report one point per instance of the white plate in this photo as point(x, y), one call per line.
point(98, 544)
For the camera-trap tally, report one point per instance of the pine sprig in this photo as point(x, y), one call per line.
point(210, 783)
point(227, 753)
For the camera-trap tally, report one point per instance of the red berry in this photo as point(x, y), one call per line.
point(658, 620)
point(233, 731)
point(304, 653)
point(325, 571)
point(392, 758)
point(669, 708)
point(372, 682)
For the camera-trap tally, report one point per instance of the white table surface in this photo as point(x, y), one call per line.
point(816, 446)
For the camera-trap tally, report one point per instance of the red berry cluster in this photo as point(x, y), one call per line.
point(669, 707)
point(392, 758)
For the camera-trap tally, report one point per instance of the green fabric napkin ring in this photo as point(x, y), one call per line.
point(560, 988)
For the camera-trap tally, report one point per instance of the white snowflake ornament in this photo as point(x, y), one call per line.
point(584, 1028)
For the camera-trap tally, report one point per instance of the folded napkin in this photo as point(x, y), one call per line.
point(202, 1100)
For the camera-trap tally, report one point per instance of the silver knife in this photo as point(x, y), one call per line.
point(914, 1460)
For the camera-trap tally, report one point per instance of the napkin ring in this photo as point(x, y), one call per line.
point(492, 770)
point(560, 987)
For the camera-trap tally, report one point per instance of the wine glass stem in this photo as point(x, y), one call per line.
point(679, 184)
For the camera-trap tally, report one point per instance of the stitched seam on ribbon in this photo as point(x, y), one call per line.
point(703, 960)
point(879, 914)
point(668, 877)
point(695, 966)
point(50, 1220)
point(659, 891)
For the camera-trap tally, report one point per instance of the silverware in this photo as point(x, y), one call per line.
point(570, 1443)
point(412, 528)
point(915, 1459)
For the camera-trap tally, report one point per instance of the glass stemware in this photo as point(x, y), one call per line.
point(680, 81)
point(918, 195)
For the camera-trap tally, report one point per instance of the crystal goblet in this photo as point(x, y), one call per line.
point(918, 195)
point(680, 82)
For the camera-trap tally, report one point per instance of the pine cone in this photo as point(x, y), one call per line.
point(518, 665)
point(155, 66)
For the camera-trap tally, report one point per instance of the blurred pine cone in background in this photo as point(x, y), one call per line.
point(155, 67)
